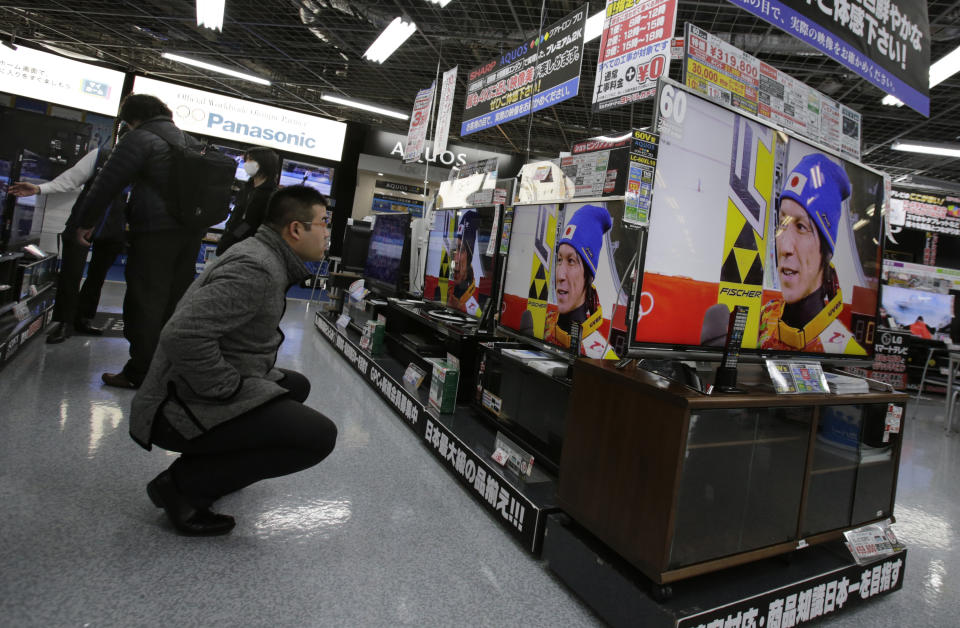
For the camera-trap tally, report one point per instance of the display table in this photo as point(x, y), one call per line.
point(680, 483)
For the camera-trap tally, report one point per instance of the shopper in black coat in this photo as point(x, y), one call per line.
point(262, 165)
point(162, 254)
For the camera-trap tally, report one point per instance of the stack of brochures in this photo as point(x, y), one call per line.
point(846, 384)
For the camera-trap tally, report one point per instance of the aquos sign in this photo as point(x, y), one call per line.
point(446, 158)
point(208, 114)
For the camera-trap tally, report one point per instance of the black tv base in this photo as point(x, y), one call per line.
point(795, 589)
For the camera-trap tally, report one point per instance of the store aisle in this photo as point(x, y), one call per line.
point(377, 535)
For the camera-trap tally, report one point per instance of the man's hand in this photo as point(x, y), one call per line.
point(22, 188)
point(85, 236)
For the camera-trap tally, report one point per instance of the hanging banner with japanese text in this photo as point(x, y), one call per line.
point(927, 211)
point(634, 51)
point(445, 110)
point(419, 121)
point(535, 75)
point(887, 42)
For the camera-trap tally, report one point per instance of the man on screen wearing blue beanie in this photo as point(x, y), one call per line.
point(810, 210)
point(578, 257)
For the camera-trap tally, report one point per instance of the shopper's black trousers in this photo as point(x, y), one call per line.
point(160, 267)
point(278, 438)
point(74, 302)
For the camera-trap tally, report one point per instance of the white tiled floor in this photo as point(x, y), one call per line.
point(379, 534)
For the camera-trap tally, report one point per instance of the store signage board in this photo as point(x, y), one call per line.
point(721, 71)
point(811, 600)
point(889, 359)
point(734, 78)
point(206, 113)
point(886, 43)
point(445, 111)
point(928, 211)
point(59, 80)
point(419, 122)
point(793, 377)
point(643, 168)
point(634, 51)
point(535, 75)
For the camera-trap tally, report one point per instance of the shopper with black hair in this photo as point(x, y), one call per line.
point(213, 391)
point(262, 165)
point(162, 254)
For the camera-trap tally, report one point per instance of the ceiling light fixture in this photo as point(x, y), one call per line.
point(442, 3)
point(928, 148)
point(210, 14)
point(216, 68)
point(392, 37)
point(69, 53)
point(940, 71)
point(594, 27)
point(356, 104)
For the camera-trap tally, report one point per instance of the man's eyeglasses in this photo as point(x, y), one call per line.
point(325, 221)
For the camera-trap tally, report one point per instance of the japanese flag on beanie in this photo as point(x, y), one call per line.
point(467, 229)
point(820, 186)
point(584, 232)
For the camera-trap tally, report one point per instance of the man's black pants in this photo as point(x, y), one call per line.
point(74, 302)
point(280, 437)
point(160, 267)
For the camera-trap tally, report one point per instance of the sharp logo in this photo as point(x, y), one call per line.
point(447, 158)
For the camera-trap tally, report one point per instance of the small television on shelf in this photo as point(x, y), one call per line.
point(566, 280)
point(388, 254)
point(460, 271)
point(237, 155)
point(356, 242)
point(26, 213)
point(316, 176)
point(904, 306)
point(743, 213)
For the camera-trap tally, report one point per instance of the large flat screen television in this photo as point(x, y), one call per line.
point(566, 276)
point(746, 214)
point(316, 176)
point(461, 268)
point(386, 262)
point(904, 306)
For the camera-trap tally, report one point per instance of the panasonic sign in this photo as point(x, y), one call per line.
point(205, 113)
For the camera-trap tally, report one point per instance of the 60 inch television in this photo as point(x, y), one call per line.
point(387, 256)
point(746, 214)
point(459, 273)
point(566, 277)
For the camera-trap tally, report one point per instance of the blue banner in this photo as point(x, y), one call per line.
point(887, 42)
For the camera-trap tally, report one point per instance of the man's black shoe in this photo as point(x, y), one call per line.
point(184, 516)
point(118, 380)
point(58, 334)
point(84, 326)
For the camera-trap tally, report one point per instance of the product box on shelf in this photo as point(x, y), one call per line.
point(443, 385)
point(373, 334)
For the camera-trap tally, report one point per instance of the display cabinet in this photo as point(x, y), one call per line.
point(681, 483)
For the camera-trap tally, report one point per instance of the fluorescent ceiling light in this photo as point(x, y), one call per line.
point(594, 27)
point(210, 14)
point(215, 68)
point(619, 138)
point(940, 71)
point(390, 39)
point(356, 104)
point(69, 53)
point(442, 3)
point(928, 148)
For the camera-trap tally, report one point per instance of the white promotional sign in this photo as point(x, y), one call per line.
point(419, 121)
point(445, 110)
point(59, 80)
point(206, 113)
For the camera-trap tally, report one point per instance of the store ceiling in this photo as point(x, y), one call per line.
point(309, 46)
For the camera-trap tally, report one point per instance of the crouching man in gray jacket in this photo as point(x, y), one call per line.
point(213, 391)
